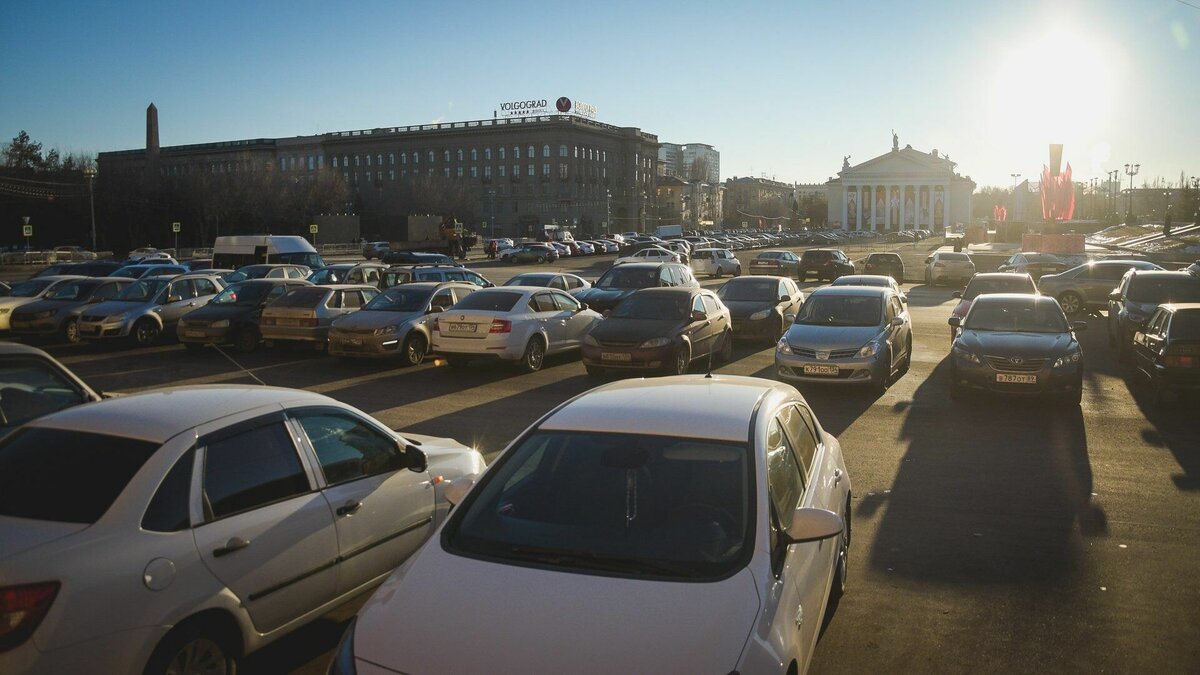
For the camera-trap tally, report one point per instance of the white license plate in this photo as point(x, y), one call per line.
point(820, 370)
point(615, 356)
point(194, 333)
point(287, 322)
point(1016, 379)
point(461, 327)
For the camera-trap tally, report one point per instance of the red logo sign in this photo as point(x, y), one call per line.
point(563, 104)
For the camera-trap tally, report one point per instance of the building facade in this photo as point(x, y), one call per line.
point(903, 189)
point(758, 202)
point(691, 162)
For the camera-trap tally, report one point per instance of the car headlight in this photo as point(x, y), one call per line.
point(221, 323)
point(387, 330)
point(782, 346)
point(655, 342)
point(590, 341)
point(343, 658)
point(1067, 360)
point(967, 355)
point(759, 316)
point(869, 349)
point(118, 318)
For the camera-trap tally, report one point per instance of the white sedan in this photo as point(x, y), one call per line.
point(706, 536)
point(520, 324)
point(174, 531)
point(652, 254)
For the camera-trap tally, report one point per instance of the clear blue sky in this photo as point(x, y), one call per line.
point(784, 89)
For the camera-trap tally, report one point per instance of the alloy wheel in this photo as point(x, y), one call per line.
point(201, 656)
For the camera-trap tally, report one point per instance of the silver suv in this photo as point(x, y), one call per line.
point(147, 307)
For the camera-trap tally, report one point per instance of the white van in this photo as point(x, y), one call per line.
point(253, 249)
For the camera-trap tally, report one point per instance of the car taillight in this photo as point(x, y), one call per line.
point(500, 326)
point(310, 323)
point(22, 608)
point(1174, 361)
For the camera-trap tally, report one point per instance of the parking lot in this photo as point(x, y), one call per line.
point(991, 534)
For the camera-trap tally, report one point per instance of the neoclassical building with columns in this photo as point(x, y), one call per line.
point(905, 189)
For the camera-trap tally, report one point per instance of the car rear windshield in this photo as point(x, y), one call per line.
point(530, 280)
point(629, 277)
point(1017, 317)
point(816, 255)
point(761, 290)
point(645, 306)
point(883, 258)
point(242, 295)
point(766, 255)
point(400, 299)
point(1186, 325)
point(841, 310)
point(609, 503)
point(981, 285)
point(955, 256)
point(1158, 290)
point(301, 297)
point(489, 301)
point(66, 476)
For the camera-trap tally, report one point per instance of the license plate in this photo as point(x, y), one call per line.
point(287, 322)
point(352, 341)
point(461, 327)
point(194, 333)
point(820, 370)
point(615, 356)
point(1016, 379)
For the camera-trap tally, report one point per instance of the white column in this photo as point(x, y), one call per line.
point(845, 196)
point(887, 206)
point(871, 197)
point(858, 211)
point(946, 219)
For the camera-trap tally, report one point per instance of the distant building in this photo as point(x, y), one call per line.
point(758, 202)
point(691, 161)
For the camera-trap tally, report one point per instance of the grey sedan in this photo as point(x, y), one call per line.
point(1087, 287)
point(396, 322)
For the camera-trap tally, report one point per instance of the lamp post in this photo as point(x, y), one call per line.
point(492, 225)
point(1131, 170)
point(90, 173)
point(607, 210)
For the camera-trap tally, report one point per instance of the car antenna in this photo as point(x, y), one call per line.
point(240, 366)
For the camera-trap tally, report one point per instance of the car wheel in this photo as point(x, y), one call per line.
point(70, 331)
point(534, 356)
point(1071, 303)
point(904, 365)
point(541, 259)
point(246, 339)
point(414, 349)
point(146, 332)
point(682, 360)
point(1074, 398)
point(726, 354)
point(880, 386)
point(193, 649)
point(841, 569)
point(595, 371)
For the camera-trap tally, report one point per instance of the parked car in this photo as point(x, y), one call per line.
point(889, 264)
point(945, 266)
point(304, 314)
point(1167, 351)
point(57, 313)
point(1136, 298)
point(30, 290)
point(518, 324)
point(73, 253)
point(824, 264)
point(139, 270)
point(871, 280)
point(1034, 264)
point(348, 273)
point(1087, 286)
point(403, 274)
point(1017, 344)
point(197, 524)
point(232, 317)
point(620, 281)
point(147, 308)
point(731, 520)
point(777, 263)
point(418, 258)
point(761, 306)
point(562, 281)
point(269, 271)
point(33, 384)
point(650, 254)
point(396, 323)
point(715, 262)
point(92, 268)
point(847, 335)
point(199, 264)
point(376, 249)
point(527, 253)
point(988, 282)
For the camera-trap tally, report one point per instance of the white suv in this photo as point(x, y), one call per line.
point(177, 530)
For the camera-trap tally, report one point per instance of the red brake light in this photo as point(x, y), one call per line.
point(22, 608)
point(1179, 361)
point(500, 326)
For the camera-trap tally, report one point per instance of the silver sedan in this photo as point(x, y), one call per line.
point(305, 314)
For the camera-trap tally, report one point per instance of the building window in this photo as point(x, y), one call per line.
point(487, 171)
point(379, 160)
point(311, 163)
point(532, 152)
point(378, 176)
point(346, 176)
point(562, 170)
point(460, 172)
point(576, 152)
point(291, 163)
point(403, 158)
point(546, 169)
point(562, 151)
point(517, 152)
point(368, 160)
point(391, 174)
point(445, 155)
point(416, 158)
point(474, 172)
point(545, 151)
point(460, 154)
point(474, 154)
point(431, 156)
point(501, 151)
point(403, 172)
point(282, 165)
point(516, 171)
point(320, 161)
point(487, 154)
point(503, 168)
point(446, 172)
point(391, 159)
point(357, 160)
point(530, 171)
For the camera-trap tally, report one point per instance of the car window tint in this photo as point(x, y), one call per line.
point(108, 291)
point(710, 305)
point(351, 300)
point(544, 303)
point(251, 469)
point(698, 304)
point(784, 481)
point(565, 302)
point(456, 276)
point(798, 424)
point(204, 287)
point(170, 506)
point(442, 298)
point(277, 291)
point(347, 448)
point(182, 289)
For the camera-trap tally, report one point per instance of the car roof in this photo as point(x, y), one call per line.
point(670, 290)
point(1181, 306)
point(851, 290)
point(822, 250)
point(271, 282)
point(1001, 275)
point(720, 407)
point(1161, 274)
point(639, 266)
point(1013, 297)
point(160, 414)
point(849, 279)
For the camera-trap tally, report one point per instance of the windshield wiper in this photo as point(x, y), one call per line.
point(599, 561)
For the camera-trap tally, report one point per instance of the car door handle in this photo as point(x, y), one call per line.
point(350, 508)
point(837, 476)
point(234, 544)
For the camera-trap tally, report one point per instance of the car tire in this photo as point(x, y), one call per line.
point(1071, 303)
point(246, 339)
point(726, 354)
point(595, 371)
point(534, 355)
point(907, 362)
point(194, 648)
point(841, 568)
point(412, 352)
point(541, 259)
point(70, 331)
point(145, 332)
point(1072, 399)
point(680, 362)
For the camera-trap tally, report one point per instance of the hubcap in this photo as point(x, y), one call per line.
point(198, 657)
point(1070, 303)
point(681, 362)
point(146, 333)
point(416, 350)
point(72, 331)
point(535, 354)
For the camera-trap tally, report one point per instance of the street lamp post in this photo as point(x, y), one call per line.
point(1131, 170)
point(607, 211)
point(492, 225)
point(90, 172)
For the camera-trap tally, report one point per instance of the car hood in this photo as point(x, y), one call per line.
point(364, 319)
point(218, 312)
point(634, 330)
point(43, 305)
point(463, 602)
point(1011, 343)
point(116, 307)
point(830, 337)
point(601, 299)
point(740, 309)
point(23, 534)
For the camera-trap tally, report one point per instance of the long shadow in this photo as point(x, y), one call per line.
point(924, 295)
point(1171, 425)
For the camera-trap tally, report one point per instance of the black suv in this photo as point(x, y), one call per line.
point(824, 264)
point(888, 264)
point(621, 281)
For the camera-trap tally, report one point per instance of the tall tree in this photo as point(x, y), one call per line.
point(23, 153)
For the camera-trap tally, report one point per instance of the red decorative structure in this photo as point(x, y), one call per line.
point(1058, 194)
point(999, 213)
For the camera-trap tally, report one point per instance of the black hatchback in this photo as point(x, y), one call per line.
point(1167, 351)
point(824, 263)
point(888, 264)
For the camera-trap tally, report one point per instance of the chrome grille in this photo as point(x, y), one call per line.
point(1005, 365)
point(842, 353)
point(833, 354)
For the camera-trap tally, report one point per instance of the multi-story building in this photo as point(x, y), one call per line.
point(691, 162)
point(757, 202)
point(670, 157)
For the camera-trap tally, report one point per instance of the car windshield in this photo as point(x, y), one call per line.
point(1186, 325)
point(981, 285)
point(30, 388)
point(769, 255)
point(629, 277)
point(400, 299)
point(862, 280)
point(70, 291)
point(1157, 290)
point(1041, 257)
point(489, 301)
point(142, 291)
point(761, 290)
point(653, 306)
point(1017, 317)
point(329, 275)
point(625, 504)
point(31, 288)
point(530, 280)
point(841, 310)
point(242, 295)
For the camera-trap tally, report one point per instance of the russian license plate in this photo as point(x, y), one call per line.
point(461, 327)
point(616, 356)
point(352, 341)
point(812, 369)
point(194, 333)
point(287, 322)
point(1016, 379)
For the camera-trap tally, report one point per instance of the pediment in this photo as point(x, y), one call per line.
point(907, 163)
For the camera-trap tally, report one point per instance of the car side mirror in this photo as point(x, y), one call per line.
point(810, 524)
point(699, 316)
point(929, 260)
point(458, 488)
point(582, 307)
point(957, 295)
point(1115, 296)
point(897, 321)
point(1078, 326)
point(436, 309)
point(174, 298)
point(955, 321)
point(904, 299)
point(784, 298)
point(414, 459)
